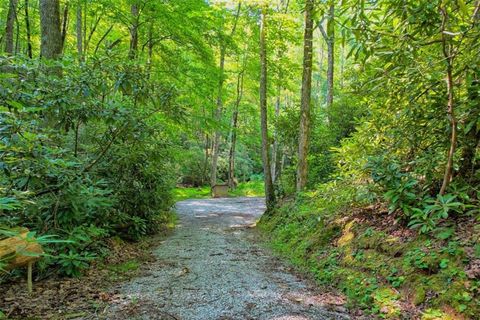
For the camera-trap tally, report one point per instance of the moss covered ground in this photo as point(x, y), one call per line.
point(383, 268)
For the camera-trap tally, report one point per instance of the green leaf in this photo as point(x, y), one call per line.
point(445, 233)
point(15, 104)
point(8, 76)
point(444, 263)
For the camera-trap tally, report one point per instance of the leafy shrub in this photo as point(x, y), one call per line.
point(400, 188)
point(82, 158)
point(434, 210)
point(72, 263)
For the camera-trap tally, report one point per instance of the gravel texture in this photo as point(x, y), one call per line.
point(213, 267)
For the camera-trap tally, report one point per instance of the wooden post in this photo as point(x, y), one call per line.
point(29, 277)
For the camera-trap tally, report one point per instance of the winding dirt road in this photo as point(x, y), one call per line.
point(213, 268)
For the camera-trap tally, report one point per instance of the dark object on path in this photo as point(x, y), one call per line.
point(220, 191)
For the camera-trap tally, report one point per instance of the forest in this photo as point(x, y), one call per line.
point(358, 121)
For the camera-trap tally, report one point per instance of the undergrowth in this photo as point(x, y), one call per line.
point(80, 298)
point(244, 189)
point(381, 265)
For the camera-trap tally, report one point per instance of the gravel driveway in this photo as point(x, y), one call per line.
point(213, 268)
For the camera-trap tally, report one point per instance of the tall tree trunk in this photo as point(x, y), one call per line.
point(17, 35)
point(28, 30)
point(51, 44)
point(9, 29)
point(283, 160)
point(219, 107)
point(233, 135)
point(64, 24)
point(342, 63)
point(329, 37)
point(319, 98)
point(269, 191)
point(449, 58)
point(275, 162)
point(134, 33)
point(218, 116)
point(305, 108)
point(206, 160)
point(331, 55)
point(85, 44)
point(275, 153)
point(79, 31)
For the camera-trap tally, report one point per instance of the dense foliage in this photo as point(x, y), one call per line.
point(392, 209)
point(419, 81)
point(109, 105)
point(90, 143)
point(82, 157)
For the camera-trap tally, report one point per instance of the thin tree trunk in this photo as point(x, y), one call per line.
point(453, 137)
point(331, 55)
point(17, 35)
point(269, 191)
point(77, 129)
point(218, 115)
point(305, 108)
point(342, 64)
point(51, 43)
point(79, 30)
point(207, 156)
point(64, 25)
point(231, 155)
point(275, 134)
point(103, 38)
point(85, 43)
point(134, 33)
point(29, 31)
point(275, 162)
point(449, 58)
point(233, 136)
point(9, 29)
point(205, 175)
point(329, 37)
point(320, 78)
point(219, 107)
